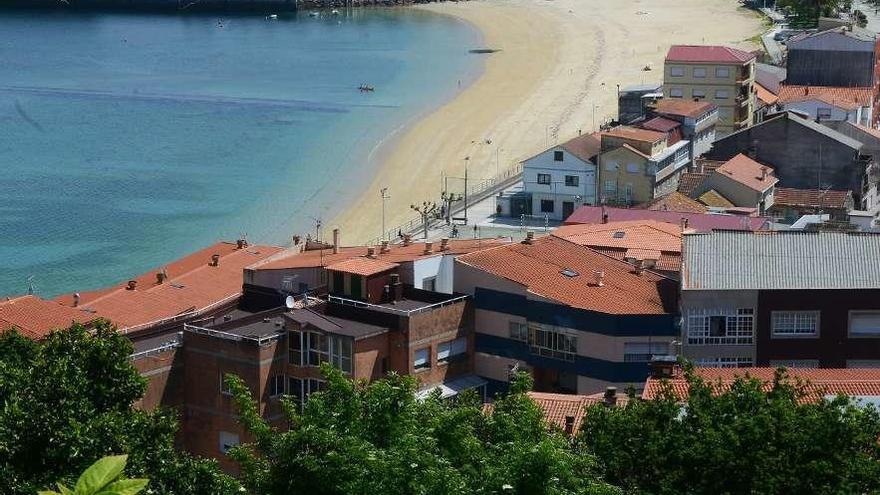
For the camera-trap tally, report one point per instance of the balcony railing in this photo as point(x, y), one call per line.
point(721, 340)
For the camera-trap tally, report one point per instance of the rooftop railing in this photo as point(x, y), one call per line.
point(156, 350)
point(259, 340)
point(390, 309)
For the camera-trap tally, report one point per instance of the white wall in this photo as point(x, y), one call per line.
point(557, 190)
point(811, 107)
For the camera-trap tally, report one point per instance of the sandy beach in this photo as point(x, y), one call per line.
point(556, 73)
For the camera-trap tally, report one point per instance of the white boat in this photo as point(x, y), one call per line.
point(334, 12)
point(272, 17)
point(313, 14)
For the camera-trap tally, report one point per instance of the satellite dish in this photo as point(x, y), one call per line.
point(289, 302)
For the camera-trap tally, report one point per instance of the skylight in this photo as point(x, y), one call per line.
point(619, 234)
point(569, 273)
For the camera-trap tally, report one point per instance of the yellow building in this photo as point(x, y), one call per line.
point(719, 74)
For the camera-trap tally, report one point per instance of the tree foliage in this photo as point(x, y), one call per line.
point(742, 441)
point(807, 12)
point(359, 438)
point(67, 401)
point(103, 478)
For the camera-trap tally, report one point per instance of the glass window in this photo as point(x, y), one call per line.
point(698, 93)
point(572, 180)
point(610, 187)
point(638, 352)
point(338, 282)
point(676, 71)
point(519, 331)
point(421, 359)
point(699, 72)
point(725, 362)
point(551, 342)
point(722, 94)
point(449, 351)
point(547, 206)
point(864, 323)
point(224, 387)
point(558, 156)
point(295, 389)
point(823, 113)
point(311, 386)
point(633, 168)
point(296, 348)
point(611, 167)
point(720, 326)
point(676, 92)
point(341, 353)
point(722, 72)
point(794, 363)
point(228, 441)
point(794, 323)
point(276, 385)
point(543, 178)
point(319, 348)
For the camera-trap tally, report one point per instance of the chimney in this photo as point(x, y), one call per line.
point(386, 293)
point(75, 299)
point(161, 276)
point(335, 241)
point(429, 247)
point(384, 248)
point(610, 396)
point(371, 252)
point(664, 367)
point(215, 260)
point(604, 215)
point(241, 244)
point(444, 244)
point(600, 278)
point(640, 266)
point(407, 239)
point(763, 173)
point(569, 425)
point(132, 285)
point(530, 237)
point(396, 287)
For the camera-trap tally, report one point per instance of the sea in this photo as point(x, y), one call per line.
point(129, 140)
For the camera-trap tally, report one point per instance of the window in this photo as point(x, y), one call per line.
point(552, 342)
point(628, 191)
point(546, 206)
point(519, 331)
point(794, 363)
point(699, 72)
point(224, 387)
point(864, 323)
point(862, 363)
point(611, 167)
point(722, 72)
point(296, 348)
point(710, 327)
point(725, 362)
point(722, 94)
point(452, 350)
point(572, 180)
point(228, 441)
point(429, 283)
point(610, 187)
point(319, 348)
point(557, 156)
point(544, 179)
point(698, 93)
point(794, 323)
point(422, 359)
point(311, 386)
point(676, 92)
point(633, 168)
point(676, 71)
point(823, 113)
point(340, 353)
point(295, 389)
point(276, 385)
point(335, 349)
point(640, 352)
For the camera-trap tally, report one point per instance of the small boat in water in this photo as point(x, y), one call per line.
point(365, 88)
point(334, 12)
point(272, 17)
point(313, 14)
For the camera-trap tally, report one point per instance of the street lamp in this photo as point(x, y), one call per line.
point(467, 159)
point(385, 197)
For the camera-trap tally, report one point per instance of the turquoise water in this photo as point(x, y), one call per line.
point(131, 140)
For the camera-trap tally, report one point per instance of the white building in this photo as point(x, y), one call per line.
point(854, 105)
point(563, 177)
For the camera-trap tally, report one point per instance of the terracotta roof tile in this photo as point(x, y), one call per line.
point(362, 266)
point(765, 95)
point(690, 181)
point(557, 408)
point(660, 124)
point(812, 198)
point(635, 134)
point(638, 239)
point(683, 108)
point(820, 381)
point(697, 221)
point(676, 201)
point(539, 267)
point(748, 172)
point(707, 53)
point(36, 317)
point(585, 146)
point(841, 97)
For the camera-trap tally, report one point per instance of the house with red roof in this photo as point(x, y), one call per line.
point(700, 222)
point(721, 75)
point(35, 318)
point(577, 319)
point(834, 103)
point(741, 182)
point(698, 119)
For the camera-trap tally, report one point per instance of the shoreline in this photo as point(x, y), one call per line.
point(558, 66)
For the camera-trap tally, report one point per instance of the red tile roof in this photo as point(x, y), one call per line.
point(35, 317)
point(397, 253)
point(812, 198)
point(846, 98)
point(557, 408)
point(819, 382)
point(683, 108)
point(633, 240)
point(193, 286)
point(362, 266)
point(708, 53)
point(635, 134)
point(585, 146)
point(539, 267)
point(697, 221)
point(748, 172)
point(676, 201)
point(690, 181)
point(765, 95)
point(661, 124)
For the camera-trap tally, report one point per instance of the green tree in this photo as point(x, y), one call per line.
point(68, 400)
point(741, 441)
point(359, 438)
point(103, 478)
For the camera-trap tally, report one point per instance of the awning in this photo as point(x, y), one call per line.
point(452, 387)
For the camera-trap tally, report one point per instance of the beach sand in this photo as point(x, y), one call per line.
point(559, 64)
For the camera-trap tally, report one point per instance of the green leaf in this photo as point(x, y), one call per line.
point(48, 493)
point(100, 474)
point(125, 487)
point(64, 490)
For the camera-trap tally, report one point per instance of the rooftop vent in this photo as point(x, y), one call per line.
point(568, 272)
point(619, 234)
point(215, 260)
point(132, 285)
point(600, 278)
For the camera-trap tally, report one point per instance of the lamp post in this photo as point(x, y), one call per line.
point(385, 197)
point(467, 159)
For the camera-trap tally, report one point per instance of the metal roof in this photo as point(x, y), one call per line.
point(780, 260)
